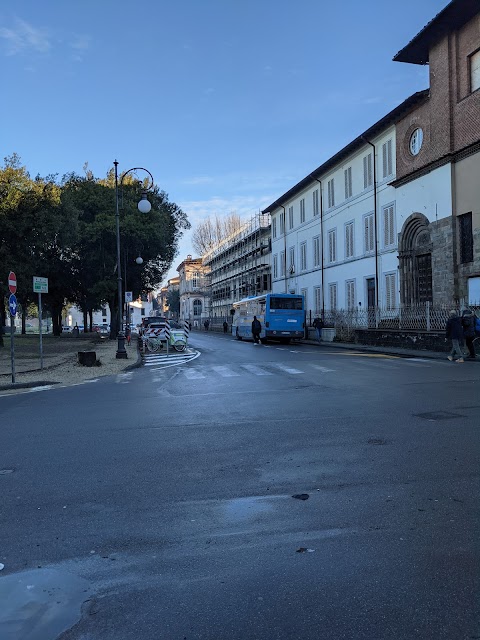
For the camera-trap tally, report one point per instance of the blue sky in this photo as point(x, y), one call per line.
point(227, 103)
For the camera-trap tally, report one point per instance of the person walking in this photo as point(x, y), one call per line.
point(128, 333)
point(318, 324)
point(225, 327)
point(454, 332)
point(256, 330)
point(468, 324)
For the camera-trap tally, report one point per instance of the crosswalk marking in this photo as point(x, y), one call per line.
point(225, 372)
point(284, 367)
point(192, 374)
point(322, 369)
point(252, 368)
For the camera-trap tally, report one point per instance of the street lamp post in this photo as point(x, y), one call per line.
point(144, 206)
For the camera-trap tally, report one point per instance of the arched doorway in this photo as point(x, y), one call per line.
point(415, 257)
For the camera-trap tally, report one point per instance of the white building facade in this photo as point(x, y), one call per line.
point(335, 233)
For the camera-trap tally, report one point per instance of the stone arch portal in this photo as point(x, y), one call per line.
point(415, 258)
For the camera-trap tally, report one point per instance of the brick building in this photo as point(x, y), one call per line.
point(438, 163)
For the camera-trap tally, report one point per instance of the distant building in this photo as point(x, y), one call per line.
point(240, 265)
point(194, 290)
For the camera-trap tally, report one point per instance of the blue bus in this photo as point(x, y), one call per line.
point(282, 316)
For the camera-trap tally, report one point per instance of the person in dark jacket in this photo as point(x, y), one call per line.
point(256, 330)
point(468, 324)
point(454, 332)
point(318, 324)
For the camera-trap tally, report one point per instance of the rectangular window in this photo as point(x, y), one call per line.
point(275, 266)
point(475, 71)
point(369, 233)
point(315, 203)
point(282, 263)
point(302, 210)
point(367, 171)
point(332, 289)
point(317, 292)
point(349, 247)
point(332, 245)
point(303, 256)
point(390, 293)
point(291, 255)
point(389, 226)
point(303, 292)
point(316, 251)
point(350, 294)
point(282, 223)
point(348, 183)
point(290, 217)
point(466, 237)
point(274, 227)
point(331, 193)
point(387, 158)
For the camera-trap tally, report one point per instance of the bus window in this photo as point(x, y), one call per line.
point(286, 303)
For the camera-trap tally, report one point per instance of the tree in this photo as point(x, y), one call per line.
point(210, 232)
point(173, 301)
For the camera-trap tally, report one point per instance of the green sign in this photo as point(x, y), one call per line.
point(40, 285)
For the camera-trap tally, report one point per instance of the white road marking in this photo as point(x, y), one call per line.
point(284, 367)
point(192, 374)
point(225, 372)
point(322, 369)
point(256, 370)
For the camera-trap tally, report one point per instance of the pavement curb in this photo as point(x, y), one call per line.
point(26, 385)
point(405, 353)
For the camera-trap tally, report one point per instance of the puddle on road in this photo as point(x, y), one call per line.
point(40, 604)
point(242, 509)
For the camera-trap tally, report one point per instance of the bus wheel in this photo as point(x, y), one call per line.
point(238, 336)
point(284, 340)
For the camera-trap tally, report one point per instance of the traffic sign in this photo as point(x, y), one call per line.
point(128, 296)
point(40, 285)
point(12, 305)
point(12, 282)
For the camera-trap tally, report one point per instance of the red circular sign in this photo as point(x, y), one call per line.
point(12, 282)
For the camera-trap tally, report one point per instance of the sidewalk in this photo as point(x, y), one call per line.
point(60, 360)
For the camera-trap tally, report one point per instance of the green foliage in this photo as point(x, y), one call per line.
point(173, 301)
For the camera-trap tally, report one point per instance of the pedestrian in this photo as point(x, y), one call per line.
point(128, 333)
point(205, 324)
point(454, 332)
point(225, 327)
point(256, 330)
point(318, 324)
point(468, 324)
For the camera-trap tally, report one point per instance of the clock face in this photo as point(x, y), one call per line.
point(416, 140)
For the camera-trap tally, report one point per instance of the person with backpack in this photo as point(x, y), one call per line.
point(256, 330)
point(318, 324)
point(454, 332)
point(468, 324)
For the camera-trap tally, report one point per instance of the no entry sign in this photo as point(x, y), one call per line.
point(12, 282)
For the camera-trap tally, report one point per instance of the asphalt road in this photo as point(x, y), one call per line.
point(158, 505)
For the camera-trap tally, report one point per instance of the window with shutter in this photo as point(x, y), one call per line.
point(315, 203)
point(303, 292)
point(332, 245)
point(333, 296)
point(390, 293)
point(282, 263)
point(318, 299)
point(274, 227)
point(316, 251)
point(388, 226)
point(348, 182)
point(303, 256)
point(369, 233)
point(302, 210)
point(350, 294)
point(282, 222)
point(475, 71)
point(367, 171)
point(275, 266)
point(349, 240)
point(290, 217)
point(387, 158)
point(331, 193)
point(292, 257)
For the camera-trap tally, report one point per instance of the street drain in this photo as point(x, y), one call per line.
point(4, 472)
point(377, 441)
point(438, 415)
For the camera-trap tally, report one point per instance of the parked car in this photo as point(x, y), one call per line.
point(66, 329)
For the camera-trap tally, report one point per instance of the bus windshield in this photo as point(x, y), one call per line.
point(286, 303)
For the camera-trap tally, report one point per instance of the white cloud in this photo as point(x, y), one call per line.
point(23, 37)
point(199, 180)
point(80, 42)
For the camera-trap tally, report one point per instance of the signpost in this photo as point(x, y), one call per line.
point(12, 282)
point(167, 333)
point(40, 285)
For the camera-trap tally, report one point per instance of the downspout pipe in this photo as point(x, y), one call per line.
point(375, 217)
point(321, 241)
point(285, 247)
